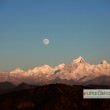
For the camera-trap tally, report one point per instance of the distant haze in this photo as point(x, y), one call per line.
point(74, 27)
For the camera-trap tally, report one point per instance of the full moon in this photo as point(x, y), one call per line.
point(46, 41)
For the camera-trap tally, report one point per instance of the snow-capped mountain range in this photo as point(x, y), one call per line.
point(78, 71)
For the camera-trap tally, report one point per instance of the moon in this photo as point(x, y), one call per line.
point(46, 41)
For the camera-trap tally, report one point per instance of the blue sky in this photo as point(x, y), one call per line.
point(74, 28)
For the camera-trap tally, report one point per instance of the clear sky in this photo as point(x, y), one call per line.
point(74, 28)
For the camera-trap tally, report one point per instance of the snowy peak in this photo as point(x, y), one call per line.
point(59, 67)
point(79, 60)
point(42, 69)
point(104, 62)
point(17, 70)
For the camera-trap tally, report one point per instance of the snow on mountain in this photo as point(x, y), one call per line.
point(41, 73)
point(45, 69)
point(78, 70)
point(58, 68)
point(17, 70)
point(104, 62)
point(79, 60)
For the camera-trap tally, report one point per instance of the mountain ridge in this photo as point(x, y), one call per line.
point(78, 69)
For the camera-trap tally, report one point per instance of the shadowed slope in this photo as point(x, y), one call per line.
point(52, 97)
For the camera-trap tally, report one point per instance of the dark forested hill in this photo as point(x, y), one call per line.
point(52, 97)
